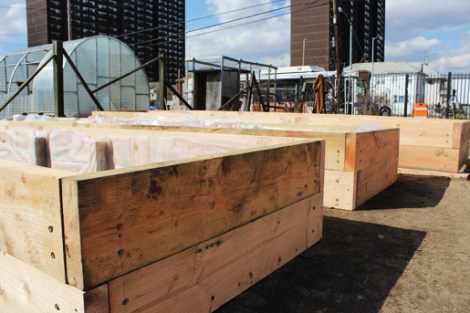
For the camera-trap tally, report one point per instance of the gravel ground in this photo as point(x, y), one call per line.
point(406, 250)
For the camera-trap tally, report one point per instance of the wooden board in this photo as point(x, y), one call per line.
point(374, 179)
point(340, 190)
point(429, 158)
point(118, 221)
point(31, 217)
point(25, 289)
point(203, 277)
point(462, 137)
point(366, 149)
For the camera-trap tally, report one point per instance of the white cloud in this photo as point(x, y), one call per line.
point(421, 28)
point(13, 18)
point(263, 41)
point(414, 30)
point(456, 60)
point(413, 46)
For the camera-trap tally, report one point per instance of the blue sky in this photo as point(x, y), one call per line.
point(439, 30)
point(415, 29)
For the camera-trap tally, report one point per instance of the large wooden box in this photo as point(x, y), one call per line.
point(428, 145)
point(359, 162)
point(182, 235)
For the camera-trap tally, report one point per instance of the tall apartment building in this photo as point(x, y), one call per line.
point(154, 26)
point(312, 32)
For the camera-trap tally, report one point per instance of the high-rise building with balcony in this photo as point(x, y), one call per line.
point(312, 32)
point(152, 26)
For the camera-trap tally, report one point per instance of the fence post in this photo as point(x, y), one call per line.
point(57, 49)
point(162, 82)
point(449, 87)
point(407, 79)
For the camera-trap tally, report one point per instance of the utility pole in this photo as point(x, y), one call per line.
point(303, 51)
point(350, 42)
point(69, 20)
point(339, 97)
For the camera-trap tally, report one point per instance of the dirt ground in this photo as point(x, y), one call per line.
point(406, 250)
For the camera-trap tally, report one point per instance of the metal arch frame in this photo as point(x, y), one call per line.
point(14, 71)
point(3, 59)
point(20, 89)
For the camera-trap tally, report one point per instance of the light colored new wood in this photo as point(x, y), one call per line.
point(340, 189)
point(462, 137)
point(365, 149)
point(30, 216)
point(25, 289)
point(429, 158)
point(203, 277)
point(373, 179)
point(408, 171)
point(118, 221)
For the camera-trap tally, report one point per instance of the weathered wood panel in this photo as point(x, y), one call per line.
point(203, 277)
point(118, 221)
point(97, 300)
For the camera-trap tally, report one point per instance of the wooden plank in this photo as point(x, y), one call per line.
point(25, 289)
point(429, 158)
point(118, 221)
point(374, 179)
point(450, 175)
point(30, 216)
point(462, 140)
point(340, 190)
point(203, 277)
point(368, 148)
point(434, 133)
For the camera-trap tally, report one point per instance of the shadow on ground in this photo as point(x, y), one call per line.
point(410, 191)
point(352, 269)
